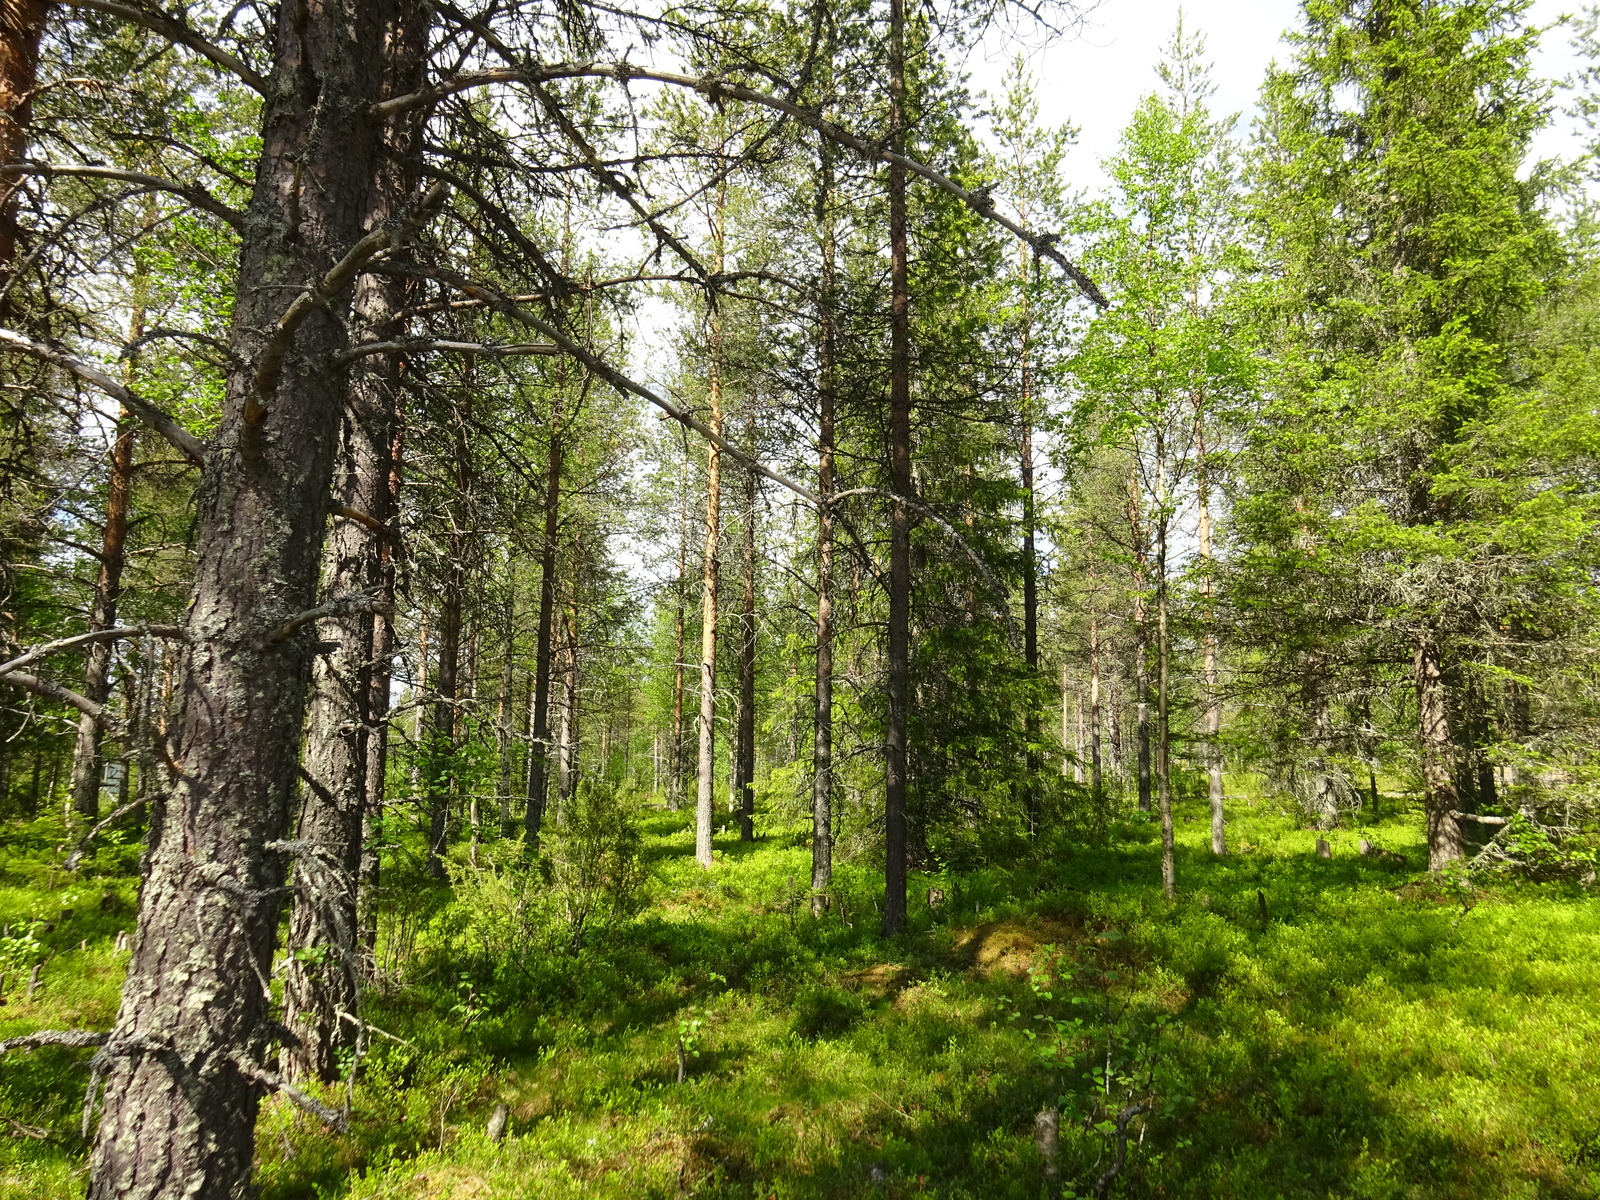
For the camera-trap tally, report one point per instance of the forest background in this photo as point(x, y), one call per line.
point(641, 602)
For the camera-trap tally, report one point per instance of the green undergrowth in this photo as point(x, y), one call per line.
point(1379, 1034)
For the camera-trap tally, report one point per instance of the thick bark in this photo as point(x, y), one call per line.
point(21, 27)
point(745, 791)
point(822, 742)
point(322, 977)
point(899, 632)
point(1441, 800)
point(706, 763)
point(181, 1069)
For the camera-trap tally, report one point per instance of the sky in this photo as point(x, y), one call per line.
point(1094, 79)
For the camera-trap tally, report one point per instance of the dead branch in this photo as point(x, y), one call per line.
point(421, 345)
point(51, 690)
point(193, 193)
point(339, 606)
point(190, 446)
point(270, 361)
point(76, 1039)
point(979, 201)
point(96, 635)
point(175, 30)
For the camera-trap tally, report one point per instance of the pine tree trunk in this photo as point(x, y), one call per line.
point(440, 743)
point(21, 27)
point(1446, 841)
point(899, 632)
point(1030, 594)
point(706, 763)
point(746, 790)
point(1096, 772)
point(103, 614)
point(322, 977)
point(679, 596)
point(543, 655)
point(1169, 880)
point(181, 1071)
point(822, 743)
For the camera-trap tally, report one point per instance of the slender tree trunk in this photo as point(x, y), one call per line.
point(570, 731)
point(899, 633)
point(440, 744)
point(1210, 679)
point(1030, 589)
point(746, 790)
point(706, 764)
point(181, 1071)
point(1141, 640)
point(1446, 841)
point(675, 759)
point(103, 615)
point(1169, 882)
point(505, 708)
point(822, 744)
point(1096, 775)
point(543, 655)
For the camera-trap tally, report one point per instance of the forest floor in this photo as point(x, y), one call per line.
point(1379, 1034)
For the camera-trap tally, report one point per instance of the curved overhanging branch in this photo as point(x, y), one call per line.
point(175, 30)
point(193, 193)
point(979, 201)
point(191, 447)
point(115, 634)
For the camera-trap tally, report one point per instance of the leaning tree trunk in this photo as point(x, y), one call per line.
point(899, 632)
point(181, 1070)
point(822, 744)
point(321, 978)
point(1441, 801)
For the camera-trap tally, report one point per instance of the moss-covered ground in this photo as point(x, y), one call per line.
point(1378, 1034)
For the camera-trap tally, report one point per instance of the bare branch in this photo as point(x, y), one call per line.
point(51, 690)
point(330, 1117)
point(1043, 244)
point(190, 446)
point(617, 379)
point(99, 827)
point(77, 1039)
point(342, 272)
point(419, 346)
point(175, 30)
point(94, 635)
point(339, 606)
point(194, 194)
